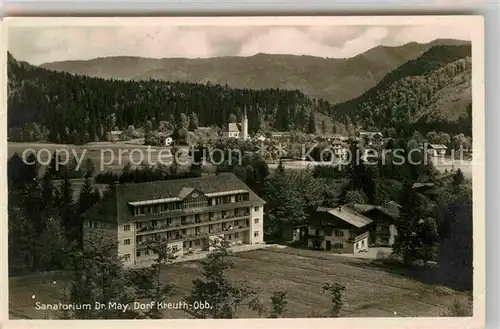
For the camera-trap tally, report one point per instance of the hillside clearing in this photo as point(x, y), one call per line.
point(370, 292)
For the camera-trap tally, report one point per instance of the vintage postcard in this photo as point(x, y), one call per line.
point(328, 170)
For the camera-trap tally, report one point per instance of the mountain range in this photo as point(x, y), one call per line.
point(412, 87)
point(333, 79)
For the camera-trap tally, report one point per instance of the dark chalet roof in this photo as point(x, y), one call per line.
point(347, 214)
point(116, 205)
point(391, 209)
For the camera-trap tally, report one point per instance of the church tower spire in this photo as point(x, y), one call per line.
point(244, 125)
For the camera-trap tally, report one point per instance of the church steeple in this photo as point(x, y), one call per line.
point(244, 124)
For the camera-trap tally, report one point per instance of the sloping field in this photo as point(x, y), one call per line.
point(370, 292)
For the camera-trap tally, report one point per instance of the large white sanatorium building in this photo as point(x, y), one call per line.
point(186, 213)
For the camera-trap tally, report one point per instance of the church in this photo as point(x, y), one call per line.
point(237, 130)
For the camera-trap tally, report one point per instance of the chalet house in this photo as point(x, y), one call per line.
point(383, 231)
point(185, 214)
point(282, 136)
point(436, 150)
point(341, 230)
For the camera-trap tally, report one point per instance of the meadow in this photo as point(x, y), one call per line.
point(371, 291)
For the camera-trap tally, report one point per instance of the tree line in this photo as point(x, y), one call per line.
point(64, 108)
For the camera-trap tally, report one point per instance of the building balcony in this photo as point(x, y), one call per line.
point(197, 210)
point(195, 236)
point(170, 227)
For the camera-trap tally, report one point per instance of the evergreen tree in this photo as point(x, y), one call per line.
point(323, 127)
point(149, 283)
point(214, 287)
point(87, 198)
point(99, 276)
point(311, 124)
point(193, 121)
point(67, 210)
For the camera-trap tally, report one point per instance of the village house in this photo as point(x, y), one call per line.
point(114, 136)
point(186, 214)
point(281, 136)
point(383, 231)
point(341, 230)
point(237, 130)
point(436, 150)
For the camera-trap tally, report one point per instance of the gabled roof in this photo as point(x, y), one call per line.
point(118, 205)
point(391, 208)
point(348, 215)
point(233, 127)
point(184, 192)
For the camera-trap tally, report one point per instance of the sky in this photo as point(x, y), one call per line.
point(38, 45)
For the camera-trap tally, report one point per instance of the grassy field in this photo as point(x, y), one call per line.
point(106, 156)
point(370, 291)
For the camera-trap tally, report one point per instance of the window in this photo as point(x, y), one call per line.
point(338, 245)
point(146, 252)
point(138, 254)
point(138, 239)
point(138, 225)
point(197, 243)
point(229, 237)
point(224, 214)
point(126, 242)
point(197, 218)
point(154, 222)
point(89, 224)
point(139, 211)
point(256, 209)
point(175, 249)
point(339, 233)
point(236, 235)
point(126, 227)
point(126, 257)
point(210, 215)
point(362, 243)
point(256, 221)
point(255, 234)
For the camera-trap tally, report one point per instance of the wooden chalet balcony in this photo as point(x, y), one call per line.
point(194, 211)
point(195, 236)
point(170, 227)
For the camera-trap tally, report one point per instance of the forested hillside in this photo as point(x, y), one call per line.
point(432, 92)
point(333, 79)
point(64, 106)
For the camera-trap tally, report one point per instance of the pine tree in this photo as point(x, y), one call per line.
point(99, 276)
point(86, 199)
point(66, 209)
point(311, 124)
point(214, 287)
point(323, 127)
point(149, 283)
point(193, 121)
